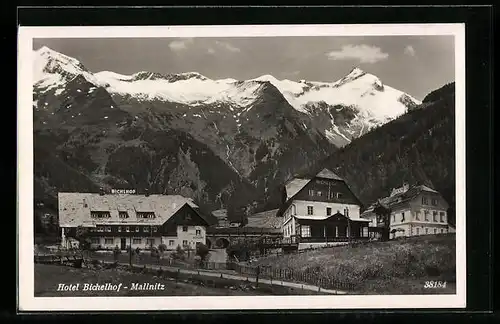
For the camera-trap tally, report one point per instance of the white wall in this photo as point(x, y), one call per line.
point(190, 236)
point(319, 208)
point(423, 229)
point(116, 241)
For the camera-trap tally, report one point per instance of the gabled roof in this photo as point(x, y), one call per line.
point(327, 174)
point(75, 208)
point(400, 198)
point(296, 184)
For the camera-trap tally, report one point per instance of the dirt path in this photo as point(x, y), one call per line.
point(241, 278)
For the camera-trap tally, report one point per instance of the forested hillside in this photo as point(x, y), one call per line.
point(418, 147)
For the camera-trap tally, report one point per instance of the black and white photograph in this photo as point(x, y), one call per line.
point(242, 167)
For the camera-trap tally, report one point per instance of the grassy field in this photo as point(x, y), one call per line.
point(48, 277)
point(396, 267)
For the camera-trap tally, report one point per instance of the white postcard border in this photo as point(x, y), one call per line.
point(26, 299)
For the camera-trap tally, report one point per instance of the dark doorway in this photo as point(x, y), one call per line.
point(330, 230)
point(342, 230)
point(123, 244)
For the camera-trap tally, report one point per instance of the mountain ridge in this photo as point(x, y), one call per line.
point(372, 102)
point(225, 148)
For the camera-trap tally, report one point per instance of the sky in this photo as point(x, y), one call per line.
point(413, 64)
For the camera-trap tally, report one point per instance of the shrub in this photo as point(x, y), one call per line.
point(116, 252)
point(179, 253)
point(162, 248)
point(202, 251)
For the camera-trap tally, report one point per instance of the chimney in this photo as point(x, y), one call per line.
point(146, 192)
point(101, 191)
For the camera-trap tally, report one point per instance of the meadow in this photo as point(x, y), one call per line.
point(401, 266)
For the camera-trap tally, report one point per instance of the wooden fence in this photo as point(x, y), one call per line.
point(265, 272)
point(292, 275)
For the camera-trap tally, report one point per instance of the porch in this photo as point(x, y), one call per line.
point(335, 228)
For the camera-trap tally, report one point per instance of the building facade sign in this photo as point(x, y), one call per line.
point(123, 191)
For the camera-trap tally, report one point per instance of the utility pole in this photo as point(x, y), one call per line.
point(346, 211)
point(151, 236)
point(130, 251)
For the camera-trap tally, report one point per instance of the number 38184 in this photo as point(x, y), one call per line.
point(435, 284)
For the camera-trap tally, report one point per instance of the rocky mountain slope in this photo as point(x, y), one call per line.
point(224, 143)
point(418, 147)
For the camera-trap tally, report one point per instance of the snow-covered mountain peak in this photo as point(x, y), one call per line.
point(355, 72)
point(344, 109)
point(266, 78)
point(53, 69)
point(192, 75)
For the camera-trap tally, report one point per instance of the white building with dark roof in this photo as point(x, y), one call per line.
point(123, 220)
point(414, 210)
point(321, 210)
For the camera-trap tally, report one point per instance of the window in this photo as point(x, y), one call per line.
point(100, 228)
point(319, 193)
point(434, 202)
point(100, 214)
point(145, 214)
point(310, 210)
point(171, 242)
point(155, 229)
point(137, 229)
point(184, 242)
point(184, 228)
point(137, 241)
point(108, 228)
point(127, 229)
point(402, 217)
point(145, 229)
point(434, 216)
point(418, 230)
point(441, 217)
point(198, 232)
point(294, 210)
point(393, 218)
point(123, 214)
point(150, 242)
point(338, 195)
point(306, 231)
point(417, 215)
point(328, 211)
point(94, 240)
point(424, 200)
point(311, 192)
point(119, 229)
point(426, 230)
point(426, 213)
point(442, 230)
point(364, 233)
point(435, 231)
point(108, 241)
